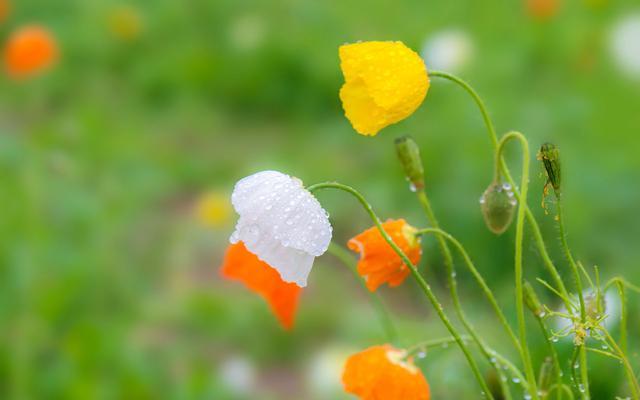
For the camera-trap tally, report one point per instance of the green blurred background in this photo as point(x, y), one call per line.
point(109, 284)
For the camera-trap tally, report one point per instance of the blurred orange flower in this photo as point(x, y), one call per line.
point(378, 262)
point(384, 83)
point(242, 265)
point(30, 50)
point(382, 372)
point(543, 9)
point(5, 8)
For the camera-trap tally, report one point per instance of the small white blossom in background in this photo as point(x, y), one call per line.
point(624, 44)
point(238, 374)
point(612, 310)
point(324, 372)
point(449, 50)
point(281, 223)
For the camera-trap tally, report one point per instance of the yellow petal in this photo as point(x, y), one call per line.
point(385, 82)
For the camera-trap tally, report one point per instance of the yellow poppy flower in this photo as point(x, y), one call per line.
point(385, 82)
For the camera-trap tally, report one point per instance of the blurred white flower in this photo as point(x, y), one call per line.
point(281, 223)
point(624, 43)
point(324, 372)
point(449, 50)
point(247, 32)
point(239, 374)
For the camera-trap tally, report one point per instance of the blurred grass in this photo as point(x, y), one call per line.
point(109, 286)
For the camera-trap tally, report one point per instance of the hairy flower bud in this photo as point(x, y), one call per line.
point(550, 157)
point(532, 301)
point(409, 155)
point(498, 204)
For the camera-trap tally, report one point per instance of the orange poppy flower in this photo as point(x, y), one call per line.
point(382, 372)
point(239, 263)
point(30, 50)
point(378, 262)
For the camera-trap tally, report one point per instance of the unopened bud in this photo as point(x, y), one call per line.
point(550, 157)
point(532, 301)
point(546, 376)
point(498, 204)
point(409, 155)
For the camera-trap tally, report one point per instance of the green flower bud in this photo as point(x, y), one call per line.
point(532, 301)
point(498, 204)
point(409, 155)
point(550, 157)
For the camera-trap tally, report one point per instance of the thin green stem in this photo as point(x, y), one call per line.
point(528, 365)
point(493, 137)
point(478, 277)
point(453, 288)
point(375, 299)
point(420, 280)
point(584, 371)
point(623, 316)
point(433, 343)
point(554, 355)
point(631, 377)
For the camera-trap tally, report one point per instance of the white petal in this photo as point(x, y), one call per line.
point(281, 222)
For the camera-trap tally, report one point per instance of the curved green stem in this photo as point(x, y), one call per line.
point(453, 288)
point(478, 277)
point(505, 170)
point(375, 299)
point(420, 280)
point(528, 365)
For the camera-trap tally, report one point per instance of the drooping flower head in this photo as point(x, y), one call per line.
point(281, 222)
point(378, 262)
point(385, 82)
point(382, 372)
point(30, 50)
point(242, 265)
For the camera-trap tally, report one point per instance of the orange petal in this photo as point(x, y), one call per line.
point(379, 263)
point(30, 50)
point(381, 372)
point(240, 264)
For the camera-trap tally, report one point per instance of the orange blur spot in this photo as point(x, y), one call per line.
point(240, 264)
point(30, 50)
point(543, 9)
point(378, 262)
point(383, 372)
point(5, 9)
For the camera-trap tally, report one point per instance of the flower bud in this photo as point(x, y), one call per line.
point(409, 155)
point(532, 301)
point(498, 204)
point(546, 376)
point(550, 157)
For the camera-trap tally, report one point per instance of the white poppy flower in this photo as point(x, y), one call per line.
point(447, 50)
point(281, 223)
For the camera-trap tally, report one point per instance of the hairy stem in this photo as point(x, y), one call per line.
point(537, 235)
point(528, 365)
point(453, 289)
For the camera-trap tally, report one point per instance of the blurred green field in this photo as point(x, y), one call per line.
point(109, 285)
